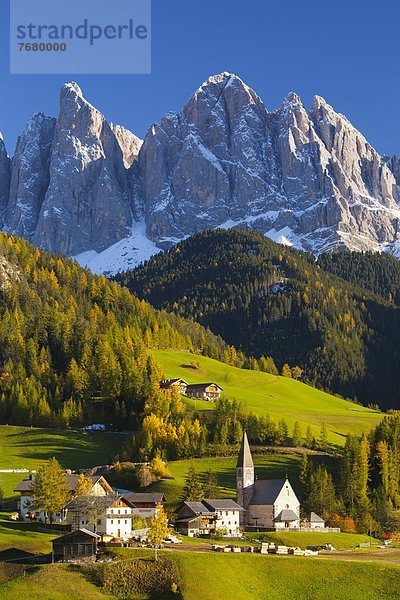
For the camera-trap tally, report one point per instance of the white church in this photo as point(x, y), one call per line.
point(267, 503)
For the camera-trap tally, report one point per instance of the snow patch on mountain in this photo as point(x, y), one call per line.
point(121, 256)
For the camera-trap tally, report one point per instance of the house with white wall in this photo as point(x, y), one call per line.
point(209, 517)
point(100, 487)
point(109, 516)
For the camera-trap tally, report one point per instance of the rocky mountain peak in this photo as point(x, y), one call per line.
point(302, 177)
point(30, 175)
point(292, 99)
point(129, 143)
point(5, 176)
point(87, 204)
point(70, 89)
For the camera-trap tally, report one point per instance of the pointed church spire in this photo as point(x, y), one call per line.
point(244, 458)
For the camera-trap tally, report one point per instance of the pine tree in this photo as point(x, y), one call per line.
point(193, 490)
point(321, 498)
point(361, 471)
point(323, 437)
point(237, 432)
point(297, 437)
point(50, 489)
point(309, 439)
point(223, 434)
point(211, 487)
point(304, 473)
point(203, 440)
point(382, 454)
point(283, 431)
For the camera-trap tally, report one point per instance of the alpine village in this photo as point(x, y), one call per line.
point(200, 330)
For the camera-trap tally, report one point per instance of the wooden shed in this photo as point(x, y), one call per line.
point(77, 545)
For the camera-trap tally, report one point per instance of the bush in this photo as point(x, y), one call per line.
point(346, 524)
point(128, 578)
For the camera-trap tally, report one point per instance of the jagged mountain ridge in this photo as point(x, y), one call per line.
point(80, 186)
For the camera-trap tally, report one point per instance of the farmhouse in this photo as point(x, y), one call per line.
point(178, 384)
point(208, 517)
point(206, 391)
point(268, 503)
point(100, 487)
point(109, 516)
point(144, 503)
point(79, 545)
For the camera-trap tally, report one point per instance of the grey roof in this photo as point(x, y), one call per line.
point(26, 484)
point(198, 508)
point(193, 386)
point(73, 533)
point(187, 519)
point(82, 503)
point(244, 458)
point(287, 515)
point(146, 497)
point(266, 491)
point(222, 504)
point(314, 518)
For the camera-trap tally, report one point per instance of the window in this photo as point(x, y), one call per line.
point(126, 521)
point(226, 512)
point(112, 522)
point(98, 521)
point(119, 522)
point(286, 505)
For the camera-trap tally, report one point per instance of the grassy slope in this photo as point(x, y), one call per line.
point(207, 576)
point(277, 396)
point(24, 536)
point(52, 582)
point(245, 577)
point(26, 448)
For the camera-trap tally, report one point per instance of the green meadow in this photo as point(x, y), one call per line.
point(15, 535)
point(207, 576)
point(28, 448)
point(268, 394)
point(51, 582)
point(246, 577)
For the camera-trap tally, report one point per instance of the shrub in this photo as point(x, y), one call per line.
point(128, 578)
point(346, 524)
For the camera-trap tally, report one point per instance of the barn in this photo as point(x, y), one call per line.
point(80, 545)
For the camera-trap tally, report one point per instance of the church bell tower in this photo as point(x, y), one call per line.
point(244, 474)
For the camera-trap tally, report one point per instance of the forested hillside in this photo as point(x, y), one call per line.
point(73, 346)
point(379, 273)
point(268, 299)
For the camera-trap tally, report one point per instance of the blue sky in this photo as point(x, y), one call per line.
point(346, 51)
